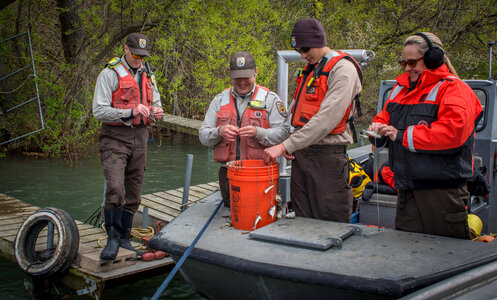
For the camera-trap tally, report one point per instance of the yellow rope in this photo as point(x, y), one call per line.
point(137, 232)
point(140, 232)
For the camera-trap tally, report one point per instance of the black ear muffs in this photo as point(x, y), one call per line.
point(434, 57)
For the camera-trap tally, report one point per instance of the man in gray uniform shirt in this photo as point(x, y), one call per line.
point(126, 100)
point(325, 100)
point(243, 119)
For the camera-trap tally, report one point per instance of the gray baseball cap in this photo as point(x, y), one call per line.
point(242, 65)
point(138, 44)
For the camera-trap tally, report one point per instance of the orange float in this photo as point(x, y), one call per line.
point(486, 239)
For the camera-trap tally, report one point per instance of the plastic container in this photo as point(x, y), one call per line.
point(354, 219)
point(253, 189)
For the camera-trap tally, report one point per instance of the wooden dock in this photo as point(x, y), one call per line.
point(162, 206)
point(179, 124)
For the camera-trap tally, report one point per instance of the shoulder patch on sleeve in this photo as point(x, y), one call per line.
point(114, 62)
point(281, 109)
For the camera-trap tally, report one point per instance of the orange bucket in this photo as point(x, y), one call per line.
point(253, 189)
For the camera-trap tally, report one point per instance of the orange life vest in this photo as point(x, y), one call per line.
point(312, 85)
point(225, 150)
point(128, 94)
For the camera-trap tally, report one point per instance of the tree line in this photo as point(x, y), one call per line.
point(192, 41)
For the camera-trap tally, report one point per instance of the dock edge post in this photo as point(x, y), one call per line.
point(188, 176)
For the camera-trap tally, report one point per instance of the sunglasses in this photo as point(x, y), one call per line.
point(410, 62)
point(138, 56)
point(303, 50)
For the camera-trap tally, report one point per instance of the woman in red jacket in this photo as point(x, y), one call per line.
point(428, 123)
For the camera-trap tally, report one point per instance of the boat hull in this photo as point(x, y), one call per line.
point(214, 282)
point(312, 258)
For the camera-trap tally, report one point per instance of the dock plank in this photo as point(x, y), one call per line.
point(168, 197)
point(24, 212)
point(201, 190)
point(207, 187)
point(12, 225)
point(161, 208)
point(157, 214)
point(191, 197)
point(172, 198)
point(178, 195)
point(214, 184)
point(193, 193)
point(163, 199)
point(18, 220)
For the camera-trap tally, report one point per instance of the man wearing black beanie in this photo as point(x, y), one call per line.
point(323, 105)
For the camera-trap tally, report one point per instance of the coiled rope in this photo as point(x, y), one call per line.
point(137, 232)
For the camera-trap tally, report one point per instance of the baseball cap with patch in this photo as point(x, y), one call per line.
point(138, 44)
point(242, 65)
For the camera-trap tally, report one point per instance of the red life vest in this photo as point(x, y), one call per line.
point(312, 86)
point(128, 94)
point(225, 150)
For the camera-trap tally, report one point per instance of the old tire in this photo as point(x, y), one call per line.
point(47, 262)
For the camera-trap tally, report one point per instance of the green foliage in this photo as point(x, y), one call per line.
point(196, 54)
point(193, 40)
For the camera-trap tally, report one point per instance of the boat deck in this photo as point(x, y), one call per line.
point(304, 258)
point(162, 206)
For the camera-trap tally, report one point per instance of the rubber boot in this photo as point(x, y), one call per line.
point(113, 227)
point(127, 223)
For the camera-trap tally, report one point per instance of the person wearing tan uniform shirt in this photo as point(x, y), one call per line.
point(322, 107)
point(242, 120)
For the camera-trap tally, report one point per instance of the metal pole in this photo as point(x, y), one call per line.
point(178, 265)
point(145, 217)
point(50, 235)
point(188, 176)
point(36, 80)
point(490, 45)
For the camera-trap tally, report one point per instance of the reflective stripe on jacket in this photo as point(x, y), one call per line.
point(436, 124)
point(225, 151)
point(128, 94)
point(312, 88)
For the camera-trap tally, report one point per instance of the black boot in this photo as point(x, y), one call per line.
point(127, 223)
point(113, 227)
